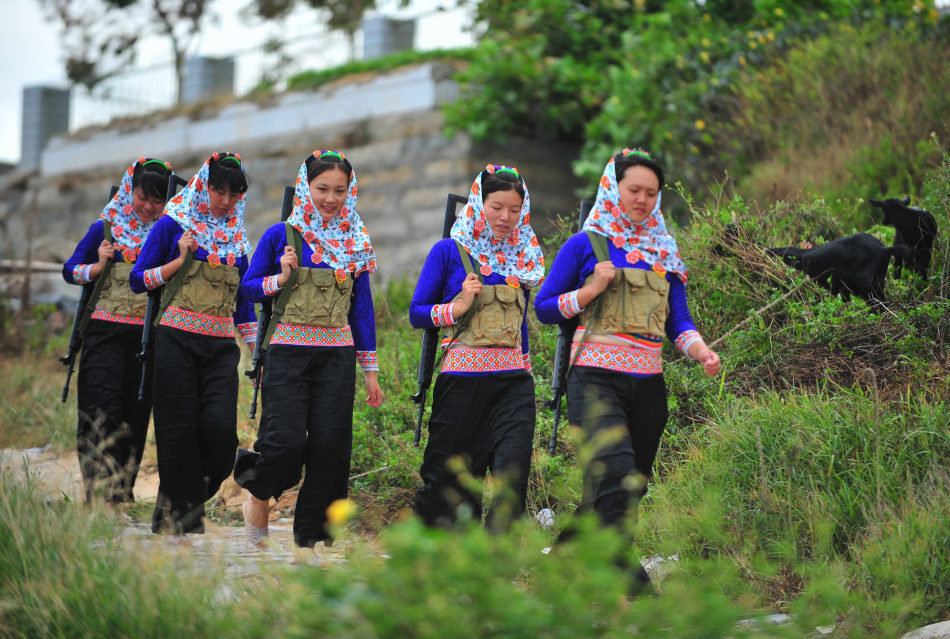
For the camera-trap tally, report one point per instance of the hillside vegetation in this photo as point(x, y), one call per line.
point(809, 478)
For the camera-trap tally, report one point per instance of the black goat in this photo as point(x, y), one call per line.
point(855, 265)
point(915, 228)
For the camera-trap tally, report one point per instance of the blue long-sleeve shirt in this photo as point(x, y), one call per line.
point(76, 268)
point(159, 249)
point(439, 282)
point(259, 284)
point(575, 262)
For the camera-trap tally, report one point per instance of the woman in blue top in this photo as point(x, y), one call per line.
point(113, 423)
point(623, 275)
point(202, 236)
point(327, 327)
point(483, 407)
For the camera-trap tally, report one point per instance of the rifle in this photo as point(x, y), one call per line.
point(562, 353)
point(264, 315)
point(430, 336)
point(79, 323)
point(154, 298)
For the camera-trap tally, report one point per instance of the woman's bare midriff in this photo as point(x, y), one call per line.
point(599, 338)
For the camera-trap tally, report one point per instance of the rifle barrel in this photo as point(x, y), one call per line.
point(431, 335)
point(562, 352)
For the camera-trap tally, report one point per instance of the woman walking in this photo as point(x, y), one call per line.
point(198, 251)
point(113, 422)
point(623, 275)
point(476, 285)
point(317, 268)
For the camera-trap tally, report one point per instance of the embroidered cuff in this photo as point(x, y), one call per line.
point(527, 361)
point(153, 278)
point(687, 339)
point(81, 274)
point(367, 360)
point(248, 331)
point(441, 314)
point(567, 304)
point(270, 285)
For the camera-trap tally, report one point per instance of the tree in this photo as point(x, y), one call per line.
point(100, 36)
point(344, 15)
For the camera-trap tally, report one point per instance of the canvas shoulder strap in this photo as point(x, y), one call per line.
point(294, 239)
point(100, 280)
point(599, 244)
point(172, 287)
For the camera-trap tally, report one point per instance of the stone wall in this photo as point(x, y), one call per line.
point(405, 164)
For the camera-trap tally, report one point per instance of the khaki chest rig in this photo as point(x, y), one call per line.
point(636, 301)
point(116, 297)
point(206, 289)
point(311, 296)
point(495, 316)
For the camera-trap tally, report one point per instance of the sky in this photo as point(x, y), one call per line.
point(29, 45)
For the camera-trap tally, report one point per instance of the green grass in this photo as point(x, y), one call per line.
point(316, 79)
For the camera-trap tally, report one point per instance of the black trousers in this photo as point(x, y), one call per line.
point(488, 423)
point(306, 420)
point(196, 386)
point(113, 423)
point(623, 417)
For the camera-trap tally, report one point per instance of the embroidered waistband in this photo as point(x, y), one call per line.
point(197, 323)
point(102, 314)
point(464, 359)
point(306, 335)
point(623, 359)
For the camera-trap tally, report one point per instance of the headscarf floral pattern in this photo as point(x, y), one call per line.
point(128, 231)
point(646, 241)
point(342, 242)
point(224, 238)
point(517, 257)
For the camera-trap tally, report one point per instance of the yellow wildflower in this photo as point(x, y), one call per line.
point(700, 125)
point(341, 511)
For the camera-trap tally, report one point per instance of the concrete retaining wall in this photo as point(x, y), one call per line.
point(389, 126)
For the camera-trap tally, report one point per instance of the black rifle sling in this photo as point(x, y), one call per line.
point(296, 240)
point(100, 280)
point(172, 287)
point(599, 244)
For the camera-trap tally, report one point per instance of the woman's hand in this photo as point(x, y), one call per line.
point(374, 394)
point(186, 242)
point(106, 252)
point(288, 263)
point(707, 358)
point(604, 273)
point(471, 287)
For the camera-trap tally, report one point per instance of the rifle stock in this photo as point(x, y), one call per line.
point(263, 320)
point(430, 336)
point(75, 335)
point(562, 353)
point(154, 300)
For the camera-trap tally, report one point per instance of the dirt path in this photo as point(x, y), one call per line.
point(59, 476)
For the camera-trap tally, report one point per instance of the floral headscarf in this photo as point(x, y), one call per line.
point(128, 231)
point(342, 242)
point(517, 257)
point(648, 241)
point(224, 238)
